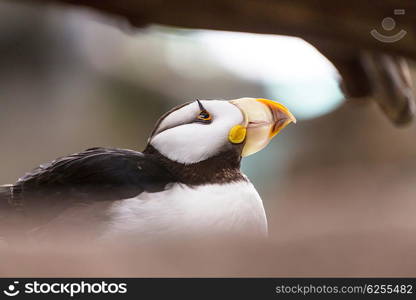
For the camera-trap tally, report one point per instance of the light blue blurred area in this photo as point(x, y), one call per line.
point(290, 70)
point(309, 98)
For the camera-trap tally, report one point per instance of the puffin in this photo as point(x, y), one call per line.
point(186, 182)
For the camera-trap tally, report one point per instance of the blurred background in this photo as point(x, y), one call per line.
point(338, 187)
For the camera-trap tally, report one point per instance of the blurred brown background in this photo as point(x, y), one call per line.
point(339, 188)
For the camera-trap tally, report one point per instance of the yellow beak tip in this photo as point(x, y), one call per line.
point(279, 107)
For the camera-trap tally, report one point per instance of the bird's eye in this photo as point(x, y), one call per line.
point(204, 116)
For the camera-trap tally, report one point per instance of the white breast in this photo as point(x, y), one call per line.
point(234, 208)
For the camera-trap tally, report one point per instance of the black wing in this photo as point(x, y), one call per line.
point(97, 174)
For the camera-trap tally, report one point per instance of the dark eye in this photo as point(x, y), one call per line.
point(204, 116)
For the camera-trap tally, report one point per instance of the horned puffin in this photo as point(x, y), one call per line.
point(186, 181)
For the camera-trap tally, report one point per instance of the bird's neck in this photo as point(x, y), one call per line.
point(221, 168)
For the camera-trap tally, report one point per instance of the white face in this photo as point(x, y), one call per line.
point(182, 138)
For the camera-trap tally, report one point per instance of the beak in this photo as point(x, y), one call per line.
point(263, 120)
